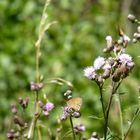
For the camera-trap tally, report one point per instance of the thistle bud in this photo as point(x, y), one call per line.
point(36, 86)
point(18, 121)
point(10, 134)
point(76, 114)
point(67, 93)
point(16, 135)
point(132, 18)
point(106, 74)
point(94, 134)
point(138, 28)
point(79, 128)
point(40, 103)
point(137, 35)
point(134, 40)
point(117, 75)
point(100, 79)
point(14, 109)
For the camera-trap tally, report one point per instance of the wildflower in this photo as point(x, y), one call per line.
point(36, 86)
point(107, 66)
point(46, 113)
point(124, 68)
point(10, 134)
point(63, 117)
point(101, 70)
point(125, 58)
point(98, 63)
point(67, 110)
point(76, 114)
point(79, 128)
point(49, 106)
point(89, 72)
point(66, 113)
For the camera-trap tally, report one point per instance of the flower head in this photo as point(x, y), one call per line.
point(49, 106)
point(107, 66)
point(79, 128)
point(98, 63)
point(108, 38)
point(125, 59)
point(89, 72)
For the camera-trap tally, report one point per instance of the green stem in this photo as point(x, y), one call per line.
point(80, 136)
point(31, 131)
point(107, 114)
point(132, 122)
point(39, 133)
point(74, 138)
point(113, 91)
point(37, 63)
point(101, 99)
point(102, 103)
point(121, 118)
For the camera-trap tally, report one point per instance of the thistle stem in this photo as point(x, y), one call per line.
point(74, 138)
point(132, 122)
point(113, 91)
point(121, 118)
point(101, 99)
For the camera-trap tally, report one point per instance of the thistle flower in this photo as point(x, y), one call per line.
point(46, 113)
point(89, 72)
point(36, 86)
point(125, 59)
point(49, 106)
point(66, 113)
point(79, 128)
point(107, 66)
point(99, 71)
point(98, 63)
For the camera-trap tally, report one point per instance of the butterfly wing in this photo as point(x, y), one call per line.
point(75, 103)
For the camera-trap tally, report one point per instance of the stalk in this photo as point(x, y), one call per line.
point(132, 122)
point(42, 28)
point(71, 122)
point(113, 91)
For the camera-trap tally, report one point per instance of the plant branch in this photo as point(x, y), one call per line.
point(113, 91)
point(101, 99)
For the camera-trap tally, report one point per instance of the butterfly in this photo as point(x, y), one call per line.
point(75, 103)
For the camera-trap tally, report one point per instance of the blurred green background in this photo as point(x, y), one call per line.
point(68, 47)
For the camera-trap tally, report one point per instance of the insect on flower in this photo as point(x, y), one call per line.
point(75, 103)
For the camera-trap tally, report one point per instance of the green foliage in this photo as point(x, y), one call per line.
point(69, 46)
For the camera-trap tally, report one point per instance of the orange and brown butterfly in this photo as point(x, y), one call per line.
point(75, 103)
